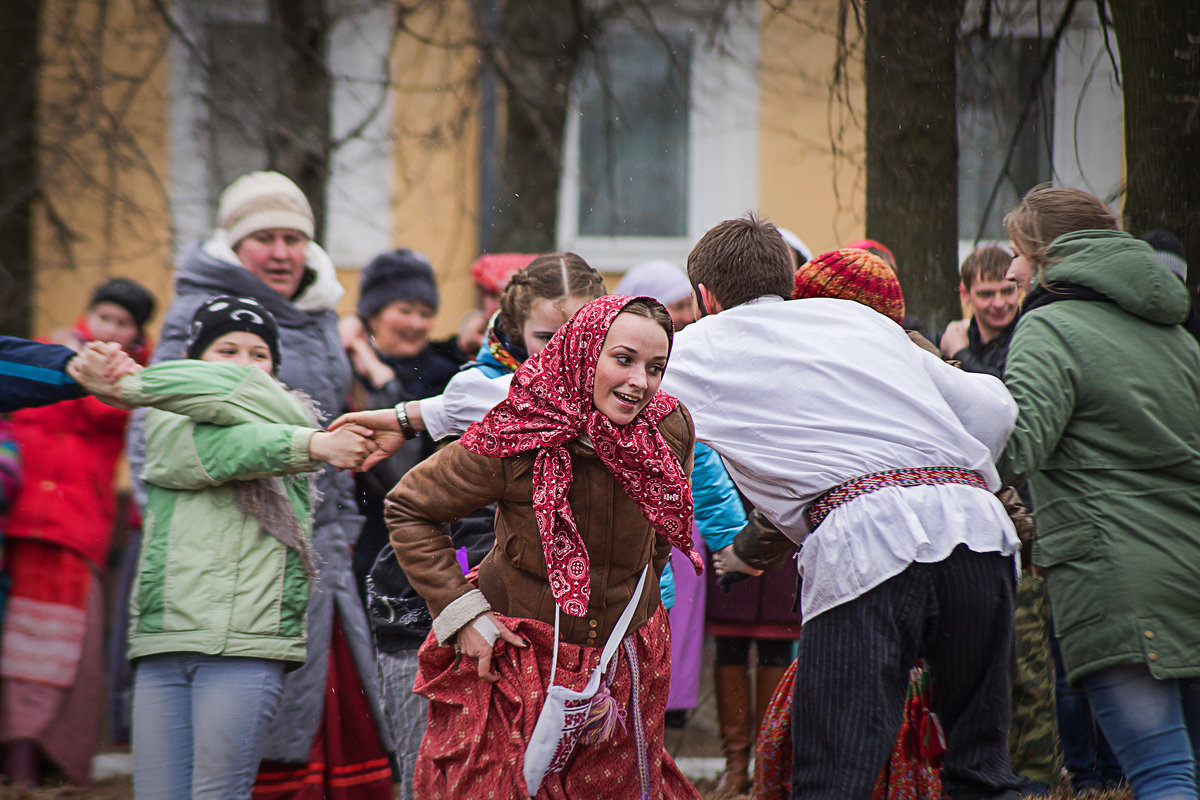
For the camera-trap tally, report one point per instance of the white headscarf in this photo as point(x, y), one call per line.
point(661, 280)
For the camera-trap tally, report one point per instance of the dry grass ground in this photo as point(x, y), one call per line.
point(108, 789)
point(1063, 793)
point(120, 789)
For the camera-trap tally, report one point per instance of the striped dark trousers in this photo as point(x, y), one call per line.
point(853, 672)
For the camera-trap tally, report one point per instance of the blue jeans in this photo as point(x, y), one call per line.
point(199, 724)
point(1153, 726)
point(1087, 755)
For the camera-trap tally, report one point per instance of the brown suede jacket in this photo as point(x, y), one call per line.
point(512, 577)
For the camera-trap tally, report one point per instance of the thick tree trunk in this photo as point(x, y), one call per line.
point(18, 161)
point(298, 142)
point(912, 147)
point(1159, 42)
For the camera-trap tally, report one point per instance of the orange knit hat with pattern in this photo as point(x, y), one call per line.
point(852, 274)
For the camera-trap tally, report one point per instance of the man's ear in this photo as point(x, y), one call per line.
point(963, 293)
point(705, 301)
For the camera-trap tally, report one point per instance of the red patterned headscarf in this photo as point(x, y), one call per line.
point(548, 405)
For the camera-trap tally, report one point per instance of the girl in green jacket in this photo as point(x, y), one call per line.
point(218, 608)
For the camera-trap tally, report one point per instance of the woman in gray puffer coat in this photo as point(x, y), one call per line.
point(264, 249)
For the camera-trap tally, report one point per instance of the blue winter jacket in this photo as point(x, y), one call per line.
point(34, 374)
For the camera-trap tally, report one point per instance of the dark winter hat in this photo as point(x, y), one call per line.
point(402, 275)
point(225, 313)
point(1168, 250)
point(129, 295)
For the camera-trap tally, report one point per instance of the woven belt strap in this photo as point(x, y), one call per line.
point(843, 493)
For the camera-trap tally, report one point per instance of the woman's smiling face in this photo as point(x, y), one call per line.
point(630, 367)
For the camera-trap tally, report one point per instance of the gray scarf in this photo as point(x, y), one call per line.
point(266, 501)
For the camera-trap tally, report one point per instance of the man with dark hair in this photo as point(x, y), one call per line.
point(981, 344)
point(877, 457)
point(739, 260)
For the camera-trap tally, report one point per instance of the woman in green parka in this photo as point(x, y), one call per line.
point(1107, 383)
point(218, 610)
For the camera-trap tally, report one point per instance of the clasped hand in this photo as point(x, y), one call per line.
point(384, 428)
point(726, 560)
point(98, 366)
point(349, 447)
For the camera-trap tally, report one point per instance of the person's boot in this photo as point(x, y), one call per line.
point(764, 687)
point(22, 763)
point(732, 685)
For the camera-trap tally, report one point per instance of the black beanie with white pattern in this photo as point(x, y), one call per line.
point(225, 313)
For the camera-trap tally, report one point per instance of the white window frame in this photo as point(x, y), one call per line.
point(723, 114)
point(358, 201)
point(1087, 146)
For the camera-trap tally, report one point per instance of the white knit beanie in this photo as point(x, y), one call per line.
point(259, 201)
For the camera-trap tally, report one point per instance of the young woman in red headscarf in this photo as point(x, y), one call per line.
point(588, 464)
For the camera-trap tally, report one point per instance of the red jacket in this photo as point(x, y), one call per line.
point(69, 454)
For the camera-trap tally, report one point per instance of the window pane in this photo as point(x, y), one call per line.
point(633, 138)
point(241, 94)
point(993, 78)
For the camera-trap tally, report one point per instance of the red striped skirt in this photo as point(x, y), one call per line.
point(346, 761)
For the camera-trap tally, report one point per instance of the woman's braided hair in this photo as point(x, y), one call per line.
point(552, 277)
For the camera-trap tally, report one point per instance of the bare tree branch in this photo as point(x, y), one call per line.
point(1032, 96)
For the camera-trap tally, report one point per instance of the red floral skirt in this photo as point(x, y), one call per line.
point(912, 771)
point(474, 744)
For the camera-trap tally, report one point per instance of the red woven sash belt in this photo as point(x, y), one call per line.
point(843, 493)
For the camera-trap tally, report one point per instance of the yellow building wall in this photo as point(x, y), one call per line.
point(102, 155)
point(811, 175)
point(436, 153)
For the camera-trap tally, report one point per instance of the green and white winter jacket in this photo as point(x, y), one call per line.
point(210, 578)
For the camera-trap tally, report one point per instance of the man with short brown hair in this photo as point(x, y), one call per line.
point(981, 344)
point(877, 458)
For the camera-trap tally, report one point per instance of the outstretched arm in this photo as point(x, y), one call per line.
point(213, 393)
point(468, 397)
point(34, 374)
point(182, 454)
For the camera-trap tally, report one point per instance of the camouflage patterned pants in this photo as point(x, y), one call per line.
point(1032, 739)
